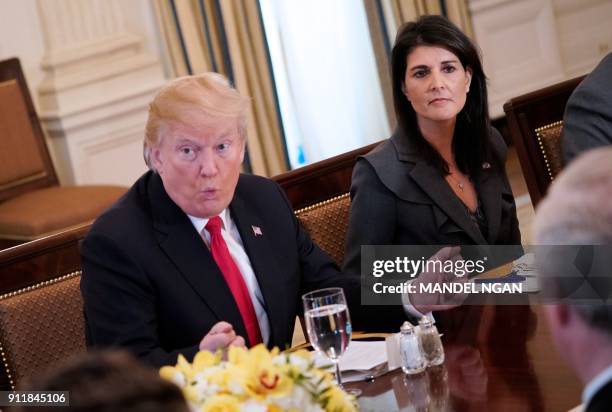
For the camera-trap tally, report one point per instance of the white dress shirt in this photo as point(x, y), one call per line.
point(230, 234)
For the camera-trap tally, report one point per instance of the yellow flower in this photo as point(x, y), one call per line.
point(338, 401)
point(231, 378)
point(262, 377)
point(184, 372)
point(303, 353)
point(221, 403)
point(205, 359)
point(274, 408)
point(172, 374)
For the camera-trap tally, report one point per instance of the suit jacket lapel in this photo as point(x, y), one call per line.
point(430, 181)
point(261, 253)
point(185, 248)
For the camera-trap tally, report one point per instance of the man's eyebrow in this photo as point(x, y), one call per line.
point(183, 140)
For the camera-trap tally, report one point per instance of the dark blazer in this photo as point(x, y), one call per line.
point(602, 400)
point(587, 122)
point(397, 198)
point(150, 283)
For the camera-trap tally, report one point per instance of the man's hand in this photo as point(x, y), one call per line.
point(428, 302)
point(221, 336)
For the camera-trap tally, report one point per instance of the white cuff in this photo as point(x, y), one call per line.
point(410, 309)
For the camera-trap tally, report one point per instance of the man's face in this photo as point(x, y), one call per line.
point(200, 165)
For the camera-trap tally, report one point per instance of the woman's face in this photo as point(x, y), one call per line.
point(435, 83)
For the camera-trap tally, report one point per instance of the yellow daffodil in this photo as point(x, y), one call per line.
point(204, 360)
point(274, 408)
point(221, 403)
point(338, 401)
point(257, 379)
point(174, 375)
point(230, 379)
point(263, 377)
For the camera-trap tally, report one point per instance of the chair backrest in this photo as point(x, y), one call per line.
point(326, 222)
point(319, 194)
point(41, 312)
point(41, 326)
point(25, 163)
point(536, 124)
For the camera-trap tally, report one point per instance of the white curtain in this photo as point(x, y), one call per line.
point(327, 80)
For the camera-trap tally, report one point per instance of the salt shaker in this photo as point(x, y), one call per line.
point(410, 350)
point(430, 342)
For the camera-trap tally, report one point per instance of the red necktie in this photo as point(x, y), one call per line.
point(234, 279)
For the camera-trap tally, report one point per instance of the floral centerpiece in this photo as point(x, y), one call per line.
point(257, 380)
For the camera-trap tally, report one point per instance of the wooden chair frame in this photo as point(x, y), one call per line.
point(528, 116)
point(10, 70)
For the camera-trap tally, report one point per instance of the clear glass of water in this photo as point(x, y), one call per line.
point(328, 324)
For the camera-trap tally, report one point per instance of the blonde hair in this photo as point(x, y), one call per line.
point(193, 100)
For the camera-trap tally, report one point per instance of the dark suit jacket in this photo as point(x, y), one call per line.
point(150, 284)
point(587, 122)
point(397, 198)
point(602, 400)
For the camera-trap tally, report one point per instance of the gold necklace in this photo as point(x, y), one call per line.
point(459, 183)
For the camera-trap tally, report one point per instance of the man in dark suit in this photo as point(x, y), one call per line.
point(577, 214)
point(587, 122)
point(197, 255)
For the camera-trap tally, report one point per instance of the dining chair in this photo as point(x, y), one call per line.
point(32, 202)
point(535, 121)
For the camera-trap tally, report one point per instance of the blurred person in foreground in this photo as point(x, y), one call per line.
point(577, 211)
point(440, 179)
point(108, 382)
point(196, 255)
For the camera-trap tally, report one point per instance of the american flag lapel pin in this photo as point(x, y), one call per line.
point(257, 231)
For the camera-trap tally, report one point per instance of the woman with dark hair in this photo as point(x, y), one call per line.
point(440, 178)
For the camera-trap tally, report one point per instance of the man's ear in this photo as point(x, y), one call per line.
point(156, 159)
point(243, 149)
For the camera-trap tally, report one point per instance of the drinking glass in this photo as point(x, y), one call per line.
point(328, 324)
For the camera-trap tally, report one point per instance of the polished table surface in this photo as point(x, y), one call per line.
point(497, 358)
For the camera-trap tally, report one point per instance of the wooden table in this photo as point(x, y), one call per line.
point(498, 358)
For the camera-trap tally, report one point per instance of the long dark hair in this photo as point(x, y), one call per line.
point(471, 139)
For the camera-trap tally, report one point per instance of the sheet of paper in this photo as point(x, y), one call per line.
point(359, 362)
point(363, 355)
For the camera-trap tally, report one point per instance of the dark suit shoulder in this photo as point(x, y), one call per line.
point(259, 191)
point(130, 214)
point(498, 145)
point(262, 196)
point(390, 163)
point(248, 183)
point(383, 151)
point(602, 400)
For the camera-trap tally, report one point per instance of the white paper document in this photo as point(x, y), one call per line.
point(363, 355)
point(361, 361)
